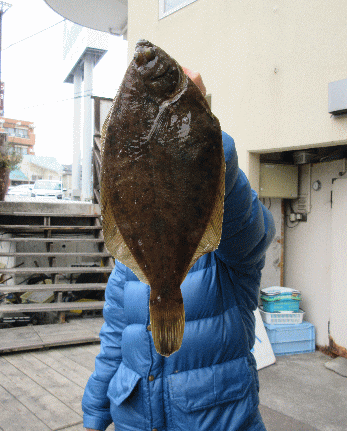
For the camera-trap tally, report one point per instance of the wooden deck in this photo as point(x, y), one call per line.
point(41, 390)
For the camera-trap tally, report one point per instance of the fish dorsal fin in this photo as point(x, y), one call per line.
point(114, 241)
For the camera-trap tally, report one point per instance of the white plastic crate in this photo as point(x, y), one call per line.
point(282, 318)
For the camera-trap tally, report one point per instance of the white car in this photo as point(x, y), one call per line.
point(48, 189)
point(21, 190)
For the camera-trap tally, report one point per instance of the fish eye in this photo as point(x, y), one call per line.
point(149, 54)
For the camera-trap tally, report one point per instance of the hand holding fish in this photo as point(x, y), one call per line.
point(196, 78)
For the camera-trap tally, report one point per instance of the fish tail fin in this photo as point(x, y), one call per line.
point(167, 324)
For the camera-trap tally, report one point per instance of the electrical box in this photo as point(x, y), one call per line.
point(278, 181)
point(337, 97)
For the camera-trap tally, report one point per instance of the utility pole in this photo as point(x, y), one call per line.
point(3, 8)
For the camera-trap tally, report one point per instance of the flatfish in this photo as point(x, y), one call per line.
point(162, 183)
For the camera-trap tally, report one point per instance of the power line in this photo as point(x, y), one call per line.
point(86, 94)
point(35, 34)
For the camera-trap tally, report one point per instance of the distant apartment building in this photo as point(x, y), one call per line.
point(20, 135)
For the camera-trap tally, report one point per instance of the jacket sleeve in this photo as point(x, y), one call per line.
point(95, 403)
point(248, 226)
point(248, 229)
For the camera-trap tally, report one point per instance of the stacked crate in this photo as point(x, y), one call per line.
point(283, 321)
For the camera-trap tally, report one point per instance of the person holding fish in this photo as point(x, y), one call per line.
point(189, 237)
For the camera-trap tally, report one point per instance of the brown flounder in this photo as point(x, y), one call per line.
point(162, 183)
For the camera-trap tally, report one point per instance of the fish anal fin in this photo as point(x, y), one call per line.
point(167, 324)
point(213, 232)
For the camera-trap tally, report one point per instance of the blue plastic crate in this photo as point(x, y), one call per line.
point(277, 298)
point(291, 339)
point(271, 306)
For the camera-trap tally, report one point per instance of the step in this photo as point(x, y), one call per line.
point(55, 239)
point(40, 228)
point(85, 330)
point(40, 214)
point(22, 288)
point(58, 254)
point(58, 270)
point(53, 306)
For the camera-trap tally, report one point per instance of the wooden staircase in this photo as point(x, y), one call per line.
point(55, 267)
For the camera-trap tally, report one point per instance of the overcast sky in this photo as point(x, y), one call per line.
point(33, 75)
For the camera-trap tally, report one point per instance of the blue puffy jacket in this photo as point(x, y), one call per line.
point(211, 383)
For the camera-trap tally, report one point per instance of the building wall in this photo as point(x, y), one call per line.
point(307, 250)
point(266, 64)
point(34, 172)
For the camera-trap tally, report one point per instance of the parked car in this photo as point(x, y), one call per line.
point(21, 190)
point(48, 188)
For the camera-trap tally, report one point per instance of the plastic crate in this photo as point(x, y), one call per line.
point(291, 339)
point(277, 298)
point(282, 318)
point(272, 305)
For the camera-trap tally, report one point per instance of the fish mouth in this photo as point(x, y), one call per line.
point(144, 52)
point(142, 43)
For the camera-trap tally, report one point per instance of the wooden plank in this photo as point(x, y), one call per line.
point(80, 427)
point(15, 337)
point(82, 354)
point(56, 360)
point(58, 270)
point(50, 379)
point(98, 142)
point(54, 306)
point(37, 401)
point(93, 324)
point(85, 330)
point(97, 196)
point(56, 254)
point(72, 215)
point(71, 330)
point(40, 228)
point(16, 417)
point(63, 239)
point(55, 287)
point(26, 345)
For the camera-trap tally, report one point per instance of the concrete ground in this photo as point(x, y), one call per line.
point(298, 393)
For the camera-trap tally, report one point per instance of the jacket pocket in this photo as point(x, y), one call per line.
point(207, 387)
point(122, 384)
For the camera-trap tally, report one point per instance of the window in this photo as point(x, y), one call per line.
point(166, 7)
point(21, 133)
point(10, 131)
point(20, 150)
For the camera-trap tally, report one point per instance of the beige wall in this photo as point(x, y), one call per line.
point(237, 45)
point(267, 66)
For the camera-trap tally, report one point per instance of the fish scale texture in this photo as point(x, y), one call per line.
point(211, 383)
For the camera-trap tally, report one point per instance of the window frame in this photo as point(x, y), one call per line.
point(163, 14)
